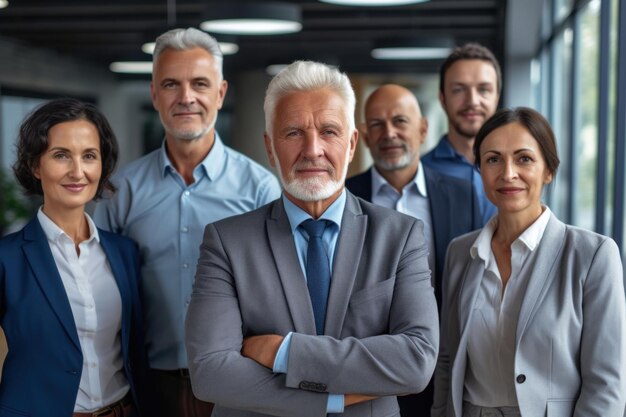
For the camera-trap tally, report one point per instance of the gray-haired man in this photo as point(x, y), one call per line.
point(165, 199)
point(324, 300)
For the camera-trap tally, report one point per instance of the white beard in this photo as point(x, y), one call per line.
point(312, 189)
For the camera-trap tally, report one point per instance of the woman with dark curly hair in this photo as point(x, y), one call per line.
point(69, 302)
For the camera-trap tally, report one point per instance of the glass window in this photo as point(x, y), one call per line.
point(560, 93)
point(585, 136)
point(562, 9)
point(12, 112)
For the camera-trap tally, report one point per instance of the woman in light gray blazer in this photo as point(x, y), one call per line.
point(533, 313)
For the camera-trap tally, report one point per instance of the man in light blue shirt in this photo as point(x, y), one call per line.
point(470, 82)
point(165, 199)
point(325, 300)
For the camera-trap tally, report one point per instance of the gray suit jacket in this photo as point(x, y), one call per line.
point(570, 357)
point(381, 331)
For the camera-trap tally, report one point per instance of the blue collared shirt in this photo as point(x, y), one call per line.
point(334, 214)
point(154, 207)
point(444, 159)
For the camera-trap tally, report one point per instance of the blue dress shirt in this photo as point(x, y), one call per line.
point(444, 159)
point(334, 214)
point(154, 207)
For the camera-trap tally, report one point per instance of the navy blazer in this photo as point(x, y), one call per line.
point(450, 202)
point(42, 370)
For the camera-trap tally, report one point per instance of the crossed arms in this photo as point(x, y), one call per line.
point(234, 370)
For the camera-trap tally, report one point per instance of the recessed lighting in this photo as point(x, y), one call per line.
point(274, 69)
point(228, 48)
point(251, 26)
point(373, 2)
point(253, 19)
point(410, 53)
point(4, 3)
point(148, 47)
point(132, 67)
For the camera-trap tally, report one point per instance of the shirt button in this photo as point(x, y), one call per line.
point(185, 266)
point(520, 378)
point(185, 229)
point(187, 193)
point(93, 364)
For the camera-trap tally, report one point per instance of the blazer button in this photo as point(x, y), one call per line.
point(520, 378)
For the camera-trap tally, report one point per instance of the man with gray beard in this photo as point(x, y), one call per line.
point(165, 199)
point(325, 300)
point(394, 131)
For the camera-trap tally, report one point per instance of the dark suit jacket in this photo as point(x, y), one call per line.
point(42, 370)
point(450, 200)
point(381, 330)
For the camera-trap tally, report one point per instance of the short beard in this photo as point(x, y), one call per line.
point(189, 135)
point(467, 134)
point(311, 189)
point(404, 161)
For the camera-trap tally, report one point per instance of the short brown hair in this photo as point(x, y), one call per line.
point(533, 122)
point(470, 51)
point(33, 141)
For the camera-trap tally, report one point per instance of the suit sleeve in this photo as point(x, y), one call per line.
point(603, 345)
point(139, 355)
point(400, 362)
point(442, 370)
point(219, 373)
point(2, 280)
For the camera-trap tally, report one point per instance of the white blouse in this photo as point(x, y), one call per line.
point(490, 377)
point(97, 309)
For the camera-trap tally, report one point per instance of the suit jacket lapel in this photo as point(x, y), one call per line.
point(468, 291)
point(475, 269)
point(540, 273)
point(345, 265)
point(289, 270)
point(41, 261)
point(119, 273)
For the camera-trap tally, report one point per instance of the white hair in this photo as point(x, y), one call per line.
point(182, 39)
point(307, 76)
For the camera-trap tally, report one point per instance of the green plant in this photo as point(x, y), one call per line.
point(14, 206)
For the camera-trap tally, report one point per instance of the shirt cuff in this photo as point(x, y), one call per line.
point(335, 403)
point(282, 356)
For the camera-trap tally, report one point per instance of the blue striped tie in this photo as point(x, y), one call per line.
point(317, 271)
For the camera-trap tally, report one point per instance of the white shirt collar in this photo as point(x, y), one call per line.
point(54, 232)
point(529, 238)
point(378, 181)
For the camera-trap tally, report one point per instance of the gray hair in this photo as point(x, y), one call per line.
point(182, 39)
point(307, 76)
